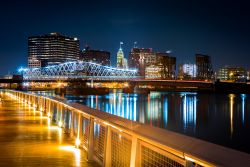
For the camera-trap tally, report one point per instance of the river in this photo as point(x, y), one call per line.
point(223, 119)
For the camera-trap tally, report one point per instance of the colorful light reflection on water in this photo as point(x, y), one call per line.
point(218, 118)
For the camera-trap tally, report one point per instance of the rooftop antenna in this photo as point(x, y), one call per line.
point(135, 44)
point(121, 43)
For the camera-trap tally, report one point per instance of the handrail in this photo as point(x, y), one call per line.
point(111, 140)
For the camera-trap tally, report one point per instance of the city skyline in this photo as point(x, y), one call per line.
point(218, 29)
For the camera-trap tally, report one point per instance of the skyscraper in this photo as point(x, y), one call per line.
point(187, 71)
point(52, 49)
point(204, 66)
point(168, 64)
point(140, 58)
point(120, 57)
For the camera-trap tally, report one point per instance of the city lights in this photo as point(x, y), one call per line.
point(125, 83)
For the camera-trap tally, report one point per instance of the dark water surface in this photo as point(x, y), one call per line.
point(223, 119)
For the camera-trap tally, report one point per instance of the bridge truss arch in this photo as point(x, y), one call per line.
point(77, 70)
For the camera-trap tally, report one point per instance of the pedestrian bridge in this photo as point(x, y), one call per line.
point(109, 140)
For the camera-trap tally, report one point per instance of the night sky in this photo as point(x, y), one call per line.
point(219, 29)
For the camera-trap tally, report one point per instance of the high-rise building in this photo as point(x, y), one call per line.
point(153, 72)
point(125, 63)
point(122, 62)
point(134, 58)
point(168, 64)
point(140, 58)
point(229, 73)
point(187, 71)
point(145, 60)
point(120, 57)
point(33, 62)
point(96, 56)
point(52, 49)
point(204, 66)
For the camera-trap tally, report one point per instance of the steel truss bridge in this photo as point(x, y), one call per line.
point(77, 70)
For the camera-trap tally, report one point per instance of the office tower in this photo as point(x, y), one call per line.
point(96, 56)
point(187, 71)
point(52, 49)
point(204, 66)
point(140, 58)
point(230, 73)
point(120, 57)
point(168, 64)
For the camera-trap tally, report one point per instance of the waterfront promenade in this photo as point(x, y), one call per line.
point(29, 139)
point(109, 140)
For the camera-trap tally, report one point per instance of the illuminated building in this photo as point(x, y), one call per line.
point(122, 62)
point(153, 71)
point(168, 65)
point(187, 71)
point(96, 56)
point(125, 63)
point(52, 49)
point(204, 66)
point(232, 74)
point(120, 57)
point(145, 60)
point(140, 58)
point(33, 62)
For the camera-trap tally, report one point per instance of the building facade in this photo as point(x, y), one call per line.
point(33, 62)
point(168, 64)
point(204, 67)
point(153, 72)
point(121, 60)
point(187, 71)
point(145, 60)
point(140, 58)
point(96, 56)
point(52, 49)
point(232, 74)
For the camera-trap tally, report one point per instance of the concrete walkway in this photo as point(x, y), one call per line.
point(29, 139)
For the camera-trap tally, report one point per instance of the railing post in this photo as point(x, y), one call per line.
point(189, 164)
point(107, 155)
point(80, 126)
point(38, 103)
point(72, 130)
point(62, 115)
point(58, 112)
point(134, 153)
point(90, 152)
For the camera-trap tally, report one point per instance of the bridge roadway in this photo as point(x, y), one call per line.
point(28, 139)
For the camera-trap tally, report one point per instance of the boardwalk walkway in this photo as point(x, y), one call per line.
point(29, 139)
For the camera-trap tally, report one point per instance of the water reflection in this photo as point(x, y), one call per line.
point(231, 103)
point(243, 97)
point(218, 118)
point(189, 111)
point(152, 109)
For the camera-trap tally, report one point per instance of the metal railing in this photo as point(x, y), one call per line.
point(114, 141)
